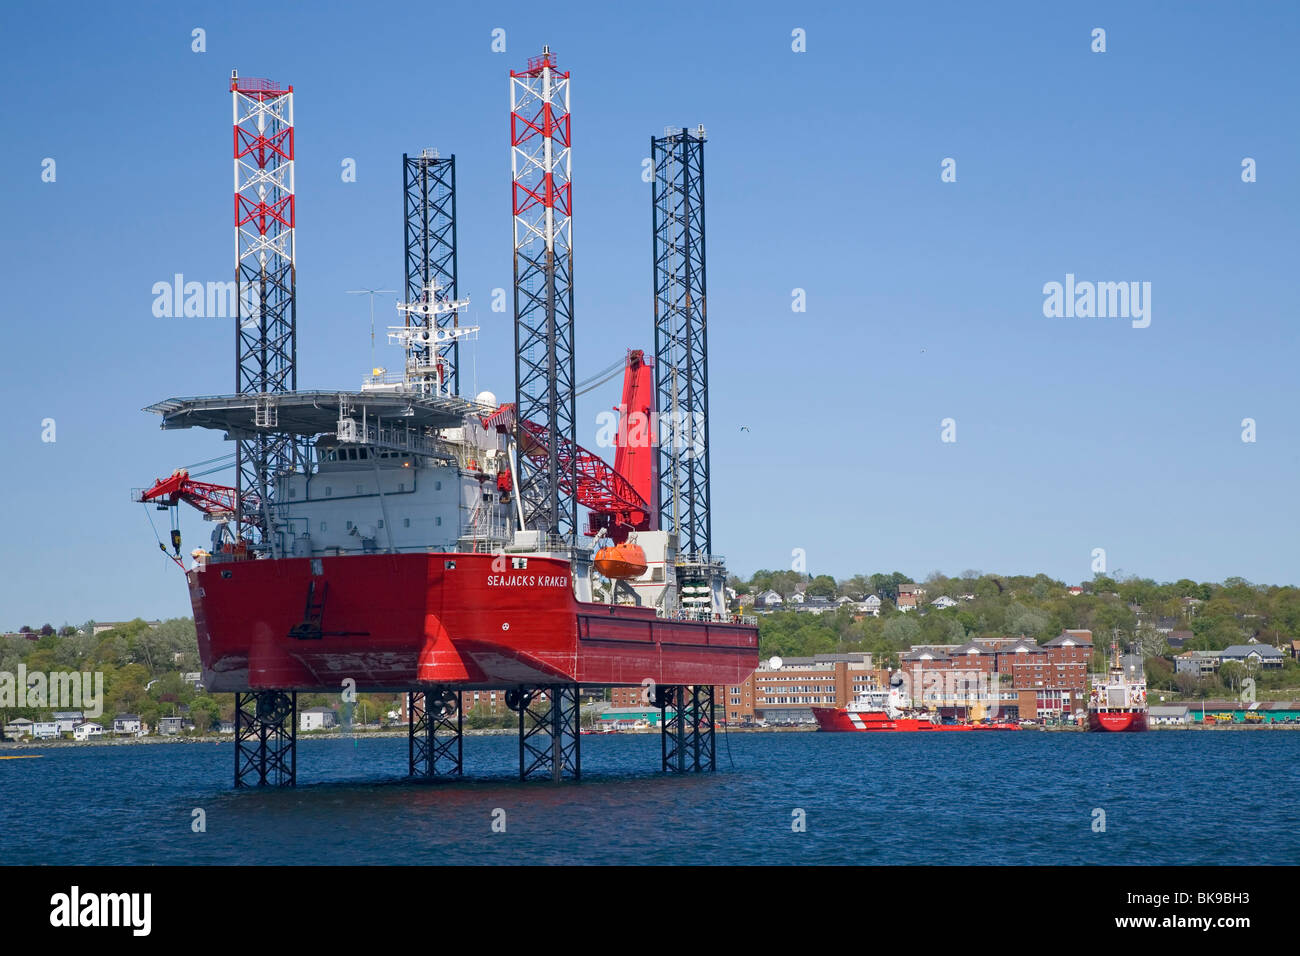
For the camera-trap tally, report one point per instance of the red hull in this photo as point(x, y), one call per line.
point(392, 621)
point(841, 719)
point(1117, 721)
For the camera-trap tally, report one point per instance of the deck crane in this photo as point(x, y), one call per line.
point(217, 502)
point(618, 497)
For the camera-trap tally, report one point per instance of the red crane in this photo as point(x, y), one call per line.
point(215, 501)
point(619, 497)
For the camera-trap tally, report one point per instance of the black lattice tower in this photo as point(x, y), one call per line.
point(681, 337)
point(543, 290)
point(429, 234)
point(266, 341)
point(266, 738)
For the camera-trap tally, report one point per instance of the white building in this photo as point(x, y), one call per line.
point(126, 724)
point(67, 720)
point(942, 602)
point(871, 605)
point(317, 718)
point(45, 730)
point(19, 727)
point(768, 599)
point(87, 729)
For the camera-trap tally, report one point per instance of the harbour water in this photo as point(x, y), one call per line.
point(1025, 798)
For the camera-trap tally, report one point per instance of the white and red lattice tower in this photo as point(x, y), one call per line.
point(543, 285)
point(266, 340)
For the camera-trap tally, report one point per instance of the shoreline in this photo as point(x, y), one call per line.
point(503, 732)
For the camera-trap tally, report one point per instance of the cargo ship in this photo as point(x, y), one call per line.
point(1117, 702)
point(891, 710)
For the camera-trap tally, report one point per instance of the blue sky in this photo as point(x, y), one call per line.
point(924, 298)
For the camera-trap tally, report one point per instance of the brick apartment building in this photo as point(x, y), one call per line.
point(1025, 678)
point(787, 694)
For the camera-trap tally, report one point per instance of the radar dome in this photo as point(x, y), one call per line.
point(486, 398)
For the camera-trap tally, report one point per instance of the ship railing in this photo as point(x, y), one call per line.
point(709, 617)
point(351, 431)
point(699, 557)
point(385, 378)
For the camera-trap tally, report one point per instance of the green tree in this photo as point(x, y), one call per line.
point(823, 585)
point(901, 631)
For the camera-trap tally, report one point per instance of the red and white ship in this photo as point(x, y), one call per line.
point(891, 710)
point(1118, 702)
point(379, 535)
point(399, 561)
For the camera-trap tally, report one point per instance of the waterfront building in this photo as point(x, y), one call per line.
point(126, 724)
point(19, 727)
point(317, 718)
point(66, 720)
point(170, 726)
point(86, 730)
point(787, 694)
point(1169, 715)
point(631, 718)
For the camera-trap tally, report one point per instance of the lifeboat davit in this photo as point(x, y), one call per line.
point(626, 560)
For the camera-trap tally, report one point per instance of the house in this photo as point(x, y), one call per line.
point(1295, 649)
point(768, 599)
point(1074, 590)
point(1178, 639)
point(87, 729)
point(170, 726)
point(226, 727)
point(909, 595)
point(317, 718)
point(126, 724)
point(194, 679)
point(816, 605)
point(797, 597)
point(45, 730)
point(942, 602)
point(19, 727)
point(1253, 655)
point(1197, 663)
point(66, 720)
point(870, 605)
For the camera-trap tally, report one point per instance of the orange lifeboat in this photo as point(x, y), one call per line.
point(625, 560)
